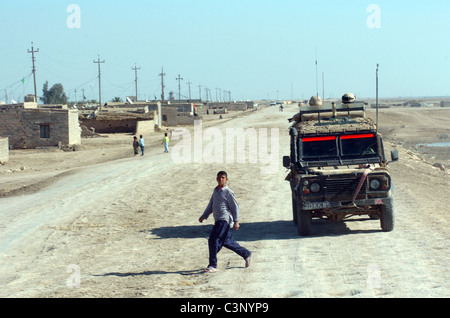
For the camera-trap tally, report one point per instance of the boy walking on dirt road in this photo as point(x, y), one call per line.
point(225, 210)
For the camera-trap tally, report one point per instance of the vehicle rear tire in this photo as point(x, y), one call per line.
point(304, 219)
point(387, 217)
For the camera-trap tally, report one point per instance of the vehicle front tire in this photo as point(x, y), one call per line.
point(294, 208)
point(387, 217)
point(304, 219)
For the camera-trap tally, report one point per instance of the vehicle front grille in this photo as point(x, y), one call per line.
point(343, 188)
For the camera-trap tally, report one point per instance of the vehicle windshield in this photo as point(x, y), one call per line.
point(356, 146)
point(315, 148)
point(359, 146)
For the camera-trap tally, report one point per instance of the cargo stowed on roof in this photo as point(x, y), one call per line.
point(330, 126)
point(329, 119)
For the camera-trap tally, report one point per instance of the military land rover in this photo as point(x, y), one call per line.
point(337, 165)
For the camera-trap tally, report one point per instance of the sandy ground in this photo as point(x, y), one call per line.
point(104, 223)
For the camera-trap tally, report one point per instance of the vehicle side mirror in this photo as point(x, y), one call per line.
point(286, 162)
point(394, 155)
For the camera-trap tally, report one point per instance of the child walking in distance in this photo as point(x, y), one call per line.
point(225, 209)
point(135, 145)
point(141, 144)
point(166, 143)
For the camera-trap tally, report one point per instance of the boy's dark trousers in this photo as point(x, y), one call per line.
point(221, 236)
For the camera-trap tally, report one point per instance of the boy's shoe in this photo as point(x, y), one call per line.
point(211, 269)
point(247, 261)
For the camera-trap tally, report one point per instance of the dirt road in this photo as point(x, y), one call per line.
point(129, 228)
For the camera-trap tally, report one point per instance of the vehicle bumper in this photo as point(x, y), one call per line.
point(309, 206)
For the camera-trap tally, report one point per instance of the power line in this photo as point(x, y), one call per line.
point(19, 81)
point(13, 88)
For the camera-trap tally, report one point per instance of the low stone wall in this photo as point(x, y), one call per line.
point(185, 120)
point(228, 106)
point(144, 127)
point(169, 116)
point(111, 126)
point(4, 150)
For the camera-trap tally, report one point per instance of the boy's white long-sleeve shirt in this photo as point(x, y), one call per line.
point(223, 206)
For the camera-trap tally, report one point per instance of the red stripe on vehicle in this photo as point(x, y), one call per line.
point(319, 138)
point(357, 136)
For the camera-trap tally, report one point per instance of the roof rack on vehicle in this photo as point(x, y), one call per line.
point(318, 111)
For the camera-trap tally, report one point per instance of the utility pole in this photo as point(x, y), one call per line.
point(135, 68)
point(179, 79)
point(200, 92)
point(189, 84)
point(34, 69)
point(162, 85)
point(99, 81)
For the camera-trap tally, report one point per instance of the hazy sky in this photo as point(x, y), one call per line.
point(256, 49)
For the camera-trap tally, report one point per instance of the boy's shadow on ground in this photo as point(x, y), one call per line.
point(147, 273)
point(270, 230)
point(276, 230)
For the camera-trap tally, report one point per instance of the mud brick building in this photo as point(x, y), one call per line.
point(28, 126)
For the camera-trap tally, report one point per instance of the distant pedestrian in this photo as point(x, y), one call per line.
point(166, 143)
point(135, 145)
point(141, 144)
point(225, 209)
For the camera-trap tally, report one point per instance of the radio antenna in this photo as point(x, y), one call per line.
point(317, 77)
point(377, 95)
point(317, 88)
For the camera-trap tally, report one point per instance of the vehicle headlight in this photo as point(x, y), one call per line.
point(374, 184)
point(315, 187)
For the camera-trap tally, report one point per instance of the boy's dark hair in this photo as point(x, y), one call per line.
point(222, 173)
